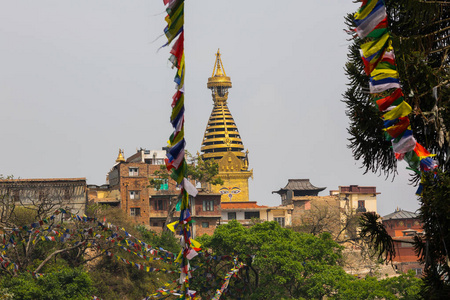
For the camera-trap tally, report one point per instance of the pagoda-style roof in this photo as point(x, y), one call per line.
point(401, 214)
point(299, 185)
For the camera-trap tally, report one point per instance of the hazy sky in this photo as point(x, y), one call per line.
point(80, 79)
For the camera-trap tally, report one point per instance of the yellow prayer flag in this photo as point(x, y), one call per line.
point(373, 47)
point(195, 244)
point(379, 74)
point(171, 226)
point(401, 110)
point(363, 12)
point(178, 260)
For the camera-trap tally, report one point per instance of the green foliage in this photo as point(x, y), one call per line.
point(115, 280)
point(165, 239)
point(66, 284)
point(23, 216)
point(405, 286)
point(159, 177)
point(204, 171)
point(279, 262)
point(433, 247)
point(419, 31)
point(416, 29)
point(374, 232)
point(5, 294)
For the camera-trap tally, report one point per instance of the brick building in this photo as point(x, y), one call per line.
point(128, 182)
point(128, 187)
point(47, 194)
point(403, 225)
point(205, 211)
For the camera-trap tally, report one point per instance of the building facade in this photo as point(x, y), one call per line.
point(247, 212)
point(46, 195)
point(355, 198)
point(403, 226)
point(129, 183)
point(222, 141)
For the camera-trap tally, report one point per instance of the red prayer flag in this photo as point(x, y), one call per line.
point(400, 127)
point(421, 151)
point(384, 103)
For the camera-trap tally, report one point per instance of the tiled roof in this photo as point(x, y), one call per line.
point(401, 214)
point(44, 179)
point(241, 205)
point(300, 185)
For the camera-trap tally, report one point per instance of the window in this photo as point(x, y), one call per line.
point(155, 224)
point(160, 204)
point(134, 195)
point(164, 185)
point(418, 271)
point(67, 194)
point(133, 171)
point(280, 221)
point(232, 216)
point(16, 195)
point(205, 224)
point(251, 214)
point(208, 205)
point(361, 206)
point(135, 211)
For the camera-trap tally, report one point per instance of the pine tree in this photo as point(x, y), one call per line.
point(420, 32)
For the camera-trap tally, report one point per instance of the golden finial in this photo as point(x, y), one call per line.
point(120, 157)
point(219, 82)
point(218, 66)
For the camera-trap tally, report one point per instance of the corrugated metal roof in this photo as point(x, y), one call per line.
point(401, 214)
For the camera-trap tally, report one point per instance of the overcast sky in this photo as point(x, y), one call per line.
point(80, 79)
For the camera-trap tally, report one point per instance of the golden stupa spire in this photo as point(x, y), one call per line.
point(120, 157)
point(219, 82)
point(221, 134)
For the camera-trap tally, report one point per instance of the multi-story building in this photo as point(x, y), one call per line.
point(150, 203)
point(403, 226)
point(355, 198)
point(222, 141)
point(129, 183)
point(45, 195)
point(247, 211)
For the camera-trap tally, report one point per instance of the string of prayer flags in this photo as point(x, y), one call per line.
point(379, 64)
point(234, 270)
point(369, 16)
point(176, 161)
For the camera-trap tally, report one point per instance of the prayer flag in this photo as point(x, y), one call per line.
point(422, 152)
point(394, 99)
point(397, 129)
point(405, 144)
point(401, 110)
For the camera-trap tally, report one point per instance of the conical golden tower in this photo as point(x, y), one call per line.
point(222, 141)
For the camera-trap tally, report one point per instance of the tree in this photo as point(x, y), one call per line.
point(76, 285)
point(420, 35)
point(279, 263)
point(203, 172)
point(282, 264)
